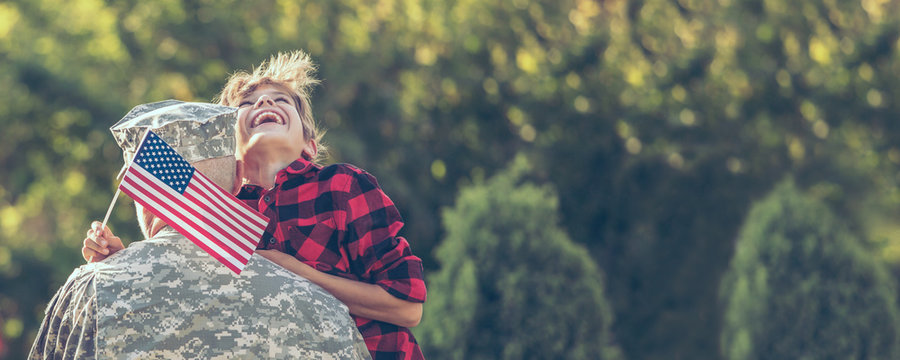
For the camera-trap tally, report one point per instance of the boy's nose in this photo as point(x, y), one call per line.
point(264, 100)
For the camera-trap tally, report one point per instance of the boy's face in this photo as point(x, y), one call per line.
point(268, 117)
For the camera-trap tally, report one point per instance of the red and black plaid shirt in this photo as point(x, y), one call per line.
point(339, 221)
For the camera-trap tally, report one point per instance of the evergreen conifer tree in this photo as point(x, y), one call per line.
point(801, 286)
point(512, 284)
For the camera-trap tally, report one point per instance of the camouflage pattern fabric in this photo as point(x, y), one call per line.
point(197, 131)
point(165, 298)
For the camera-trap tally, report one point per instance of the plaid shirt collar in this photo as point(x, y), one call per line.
point(298, 167)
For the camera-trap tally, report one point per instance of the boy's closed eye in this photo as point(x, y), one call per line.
point(280, 98)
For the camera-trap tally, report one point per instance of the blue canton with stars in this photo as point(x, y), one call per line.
point(162, 161)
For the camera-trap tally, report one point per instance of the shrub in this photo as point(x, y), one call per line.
point(801, 286)
point(512, 284)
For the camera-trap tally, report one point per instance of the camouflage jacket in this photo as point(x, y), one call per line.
point(165, 298)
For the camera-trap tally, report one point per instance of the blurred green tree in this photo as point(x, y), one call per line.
point(657, 121)
point(512, 285)
point(801, 286)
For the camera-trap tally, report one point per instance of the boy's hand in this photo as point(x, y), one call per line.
point(100, 243)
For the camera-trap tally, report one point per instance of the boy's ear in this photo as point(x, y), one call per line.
point(238, 177)
point(311, 149)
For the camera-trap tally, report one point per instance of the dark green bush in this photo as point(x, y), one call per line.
point(512, 285)
point(801, 286)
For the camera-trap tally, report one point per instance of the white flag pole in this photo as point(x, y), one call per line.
point(112, 203)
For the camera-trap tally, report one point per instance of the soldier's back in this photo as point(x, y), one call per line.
point(166, 298)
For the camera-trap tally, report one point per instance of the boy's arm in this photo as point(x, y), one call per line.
point(377, 254)
point(363, 299)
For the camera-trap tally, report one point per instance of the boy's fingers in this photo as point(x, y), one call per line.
point(91, 245)
point(101, 229)
point(98, 239)
point(91, 255)
point(116, 243)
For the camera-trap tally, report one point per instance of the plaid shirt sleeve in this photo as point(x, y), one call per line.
point(375, 251)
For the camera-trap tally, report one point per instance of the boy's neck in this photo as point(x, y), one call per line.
point(261, 167)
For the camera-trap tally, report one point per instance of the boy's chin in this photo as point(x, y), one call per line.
point(266, 142)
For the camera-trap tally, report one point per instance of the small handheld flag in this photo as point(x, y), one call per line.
point(163, 182)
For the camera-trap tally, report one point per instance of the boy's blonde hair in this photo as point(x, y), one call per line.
point(291, 71)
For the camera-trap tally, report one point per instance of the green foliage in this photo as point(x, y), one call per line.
point(681, 113)
point(512, 285)
point(801, 286)
point(658, 121)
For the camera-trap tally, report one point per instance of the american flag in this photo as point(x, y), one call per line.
point(163, 182)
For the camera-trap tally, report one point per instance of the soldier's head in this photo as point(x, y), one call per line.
point(203, 134)
point(274, 106)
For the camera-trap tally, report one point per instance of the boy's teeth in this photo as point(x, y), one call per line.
point(266, 115)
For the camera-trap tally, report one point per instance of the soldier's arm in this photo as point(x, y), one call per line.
point(100, 243)
point(68, 330)
point(363, 299)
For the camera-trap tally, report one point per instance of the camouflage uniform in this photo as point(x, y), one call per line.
point(166, 298)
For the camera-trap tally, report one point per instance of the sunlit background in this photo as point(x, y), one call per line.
point(584, 179)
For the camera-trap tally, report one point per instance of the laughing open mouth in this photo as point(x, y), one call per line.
point(266, 117)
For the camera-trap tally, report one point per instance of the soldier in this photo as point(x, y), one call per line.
point(165, 297)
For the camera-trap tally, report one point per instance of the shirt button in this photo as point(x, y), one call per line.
point(267, 198)
point(271, 240)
